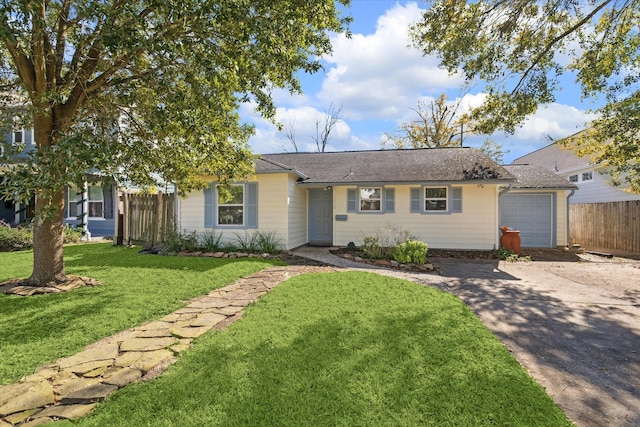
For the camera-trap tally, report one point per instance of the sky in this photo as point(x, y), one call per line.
point(375, 78)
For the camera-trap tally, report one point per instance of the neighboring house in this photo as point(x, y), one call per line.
point(592, 180)
point(447, 197)
point(91, 207)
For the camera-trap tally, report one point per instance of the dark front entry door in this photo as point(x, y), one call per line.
point(320, 216)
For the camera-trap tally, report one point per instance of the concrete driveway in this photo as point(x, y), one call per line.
point(574, 324)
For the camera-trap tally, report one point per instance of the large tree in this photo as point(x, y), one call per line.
point(136, 87)
point(437, 125)
point(521, 48)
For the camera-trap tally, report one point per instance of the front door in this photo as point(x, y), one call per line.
point(320, 216)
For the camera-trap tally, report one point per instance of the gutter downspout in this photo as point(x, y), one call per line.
point(500, 193)
point(505, 190)
point(573, 191)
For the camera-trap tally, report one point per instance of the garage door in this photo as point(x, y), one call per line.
point(533, 215)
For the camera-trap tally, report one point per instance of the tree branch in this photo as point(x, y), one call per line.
point(24, 66)
point(555, 40)
point(38, 34)
point(61, 37)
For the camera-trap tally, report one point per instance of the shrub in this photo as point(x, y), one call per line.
point(71, 234)
point(510, 256)
point(15, 239)
point(268, 242)
point(212, 241)
point(175, 241)
point(413, 251)
point(371, 248)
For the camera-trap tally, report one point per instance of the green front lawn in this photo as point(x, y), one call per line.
point(136, 288)
point(341, 349)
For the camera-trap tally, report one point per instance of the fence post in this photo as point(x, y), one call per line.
point(126, 232)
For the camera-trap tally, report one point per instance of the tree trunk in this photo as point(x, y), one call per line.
point(48, 260)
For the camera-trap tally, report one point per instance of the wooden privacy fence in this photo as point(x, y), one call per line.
point(146, 217)
point(611, 226)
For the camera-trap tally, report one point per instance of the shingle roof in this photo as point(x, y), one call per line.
point(555, 157)
point(533, 176)
point(385, 166)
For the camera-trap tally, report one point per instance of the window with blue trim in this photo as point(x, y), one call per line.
point(436, 199)
point(371, 200)
point(234, 206)
point(231, 205)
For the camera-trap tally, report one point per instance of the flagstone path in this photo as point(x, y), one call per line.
point(70, 387)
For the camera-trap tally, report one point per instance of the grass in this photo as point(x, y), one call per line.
point(341, 349)
point(136, 288)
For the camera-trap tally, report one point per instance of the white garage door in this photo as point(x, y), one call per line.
point(533, 215)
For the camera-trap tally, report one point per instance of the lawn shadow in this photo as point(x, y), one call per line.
point(572, 345)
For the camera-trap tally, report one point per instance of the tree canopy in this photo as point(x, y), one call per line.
point(437, 125)
point(521, 48)
point(133, 88)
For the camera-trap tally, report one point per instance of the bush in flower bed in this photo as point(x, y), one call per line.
point(413, 251)
point(21, 238)
point(15, 239)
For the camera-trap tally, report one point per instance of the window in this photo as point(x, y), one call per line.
point(435, 199)
point(587, 176)
point(371, 199)
point(96, 202)
point(234, 207)
point(573, 178)
point(72, 202)
point(17, 137)
point(231, 205)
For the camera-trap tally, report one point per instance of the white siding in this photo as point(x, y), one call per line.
point(475, 228)
point(297, 214)
point(599, 190)
point(191, 212)
point(272, 204)
point(272, 210)
point(562, 212)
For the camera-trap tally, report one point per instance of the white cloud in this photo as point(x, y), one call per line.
point(377, 79)
point(379, 75)
point(301, 121)
point(554, 120)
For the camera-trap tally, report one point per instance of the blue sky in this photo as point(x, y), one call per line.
point(376, 79)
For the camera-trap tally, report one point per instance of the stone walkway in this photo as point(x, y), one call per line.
point(70, 387)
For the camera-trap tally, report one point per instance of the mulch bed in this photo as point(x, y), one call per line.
point(533, 253)
point(431, 253)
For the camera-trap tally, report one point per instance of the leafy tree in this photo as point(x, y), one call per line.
point(137, 87)
point(521, 48)
point(494, 150)
point(436, 126)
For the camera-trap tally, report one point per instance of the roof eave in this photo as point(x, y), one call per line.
point(543, 188)
point(418, 182)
